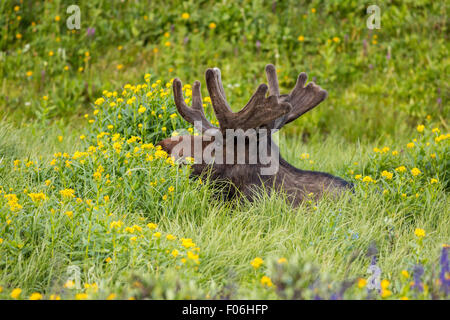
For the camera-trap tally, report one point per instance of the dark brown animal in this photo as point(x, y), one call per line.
point(249, 158)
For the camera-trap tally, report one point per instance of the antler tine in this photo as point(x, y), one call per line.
point(304, 98)
point(194, 115)
point(221, 108)
point(301, 98)
point(272, 78)
point(197, 102)
point(219, 81)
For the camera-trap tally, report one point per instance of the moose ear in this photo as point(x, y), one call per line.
point(169, 143)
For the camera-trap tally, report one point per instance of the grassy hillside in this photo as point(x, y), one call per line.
point(89, 208)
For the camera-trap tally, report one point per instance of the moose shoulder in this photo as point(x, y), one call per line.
point(241, 150)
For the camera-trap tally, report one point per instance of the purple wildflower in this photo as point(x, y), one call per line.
point(418, 272)
point(445, 269)
point(258, 44)
point(334, 296)
point(90, 32)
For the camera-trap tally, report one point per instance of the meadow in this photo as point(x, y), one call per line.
point(90, 208)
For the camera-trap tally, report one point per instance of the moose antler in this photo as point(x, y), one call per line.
point(301, 98)
point(259, 111)
point(194, 115)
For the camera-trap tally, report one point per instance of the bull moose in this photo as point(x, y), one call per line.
point(242, 151)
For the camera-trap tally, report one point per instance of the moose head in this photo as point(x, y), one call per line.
point(242, 151)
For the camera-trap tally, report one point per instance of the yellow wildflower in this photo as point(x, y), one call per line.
point(81, 296)
point(112, 296)
point(401, 169)
point(415, 172)
point(385, 293)
point(257, 262)
point(69, 214)
point(362, 283)
point(152, 226)
point(35, 296)
point(266, 281)
point(187, 243)
point(37, 197)
point(69, 284)
point(420, 233)
point(388, 175)
point(170, 237)
point(192, 256)
point(435, 130)
point(16, 293)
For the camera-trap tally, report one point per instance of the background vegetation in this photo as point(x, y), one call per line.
point(90, 209)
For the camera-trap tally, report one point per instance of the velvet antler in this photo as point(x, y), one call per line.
point(302, 98)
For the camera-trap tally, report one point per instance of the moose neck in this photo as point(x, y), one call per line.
point(298, 183)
